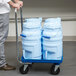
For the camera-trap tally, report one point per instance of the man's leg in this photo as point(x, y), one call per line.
point(4, 26)
point(4, 22)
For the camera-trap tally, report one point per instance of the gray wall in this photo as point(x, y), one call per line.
point(66, 9)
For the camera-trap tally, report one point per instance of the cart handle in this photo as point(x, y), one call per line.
point(17, 39)
point(21, 16)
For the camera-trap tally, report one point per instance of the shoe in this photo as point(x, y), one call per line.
point(7, 67)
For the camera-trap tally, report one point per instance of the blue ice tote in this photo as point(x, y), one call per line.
point(31, 49)
point(31, 34)
point(52, 39)
point(31, 38)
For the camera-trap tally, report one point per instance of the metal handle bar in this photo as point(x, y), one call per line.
point(17, 42)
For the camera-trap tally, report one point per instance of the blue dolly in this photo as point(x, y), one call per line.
point(55, 68)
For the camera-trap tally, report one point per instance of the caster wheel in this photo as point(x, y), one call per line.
point(54, 70)
point(24, 69)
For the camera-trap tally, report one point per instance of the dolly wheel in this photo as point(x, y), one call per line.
point(24, 69)
point(55, 70)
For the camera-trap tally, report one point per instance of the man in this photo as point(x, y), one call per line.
point(4, 22)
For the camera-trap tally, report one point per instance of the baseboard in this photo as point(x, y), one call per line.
point(12, 39)
point(65, 38)
point(69, 38)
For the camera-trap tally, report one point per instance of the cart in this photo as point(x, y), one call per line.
point(55, 68)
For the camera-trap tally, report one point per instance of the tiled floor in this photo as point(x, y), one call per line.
point(68, 67)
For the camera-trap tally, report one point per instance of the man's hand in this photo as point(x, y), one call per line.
point(16, 5)
point(20, 2)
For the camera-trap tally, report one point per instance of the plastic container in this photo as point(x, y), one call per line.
point(34, 19)
point(33, 38)
point(31, 34)
point(52, 51)
point(52, 39)
point(32, 25)
point(51, 35)
point(32, 49)
point(36, 32)
point(52, 23)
